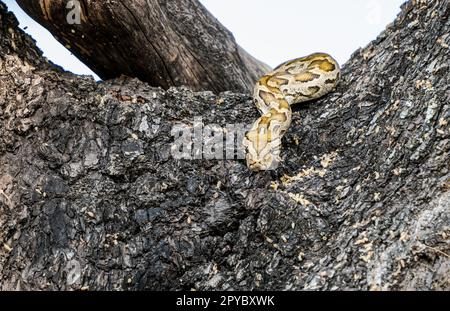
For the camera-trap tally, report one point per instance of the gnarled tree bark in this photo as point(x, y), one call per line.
point(91, 198)
point(165, 43)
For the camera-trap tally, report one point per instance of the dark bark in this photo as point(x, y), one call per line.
point(165, 43)
point(360, 202)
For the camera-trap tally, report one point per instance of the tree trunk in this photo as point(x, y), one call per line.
point(91, 198)
point(165, 43)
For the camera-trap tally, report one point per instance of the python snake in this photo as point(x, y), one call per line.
point(299, 80)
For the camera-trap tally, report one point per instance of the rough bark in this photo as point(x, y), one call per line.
point(165, 43)
point(361, 201)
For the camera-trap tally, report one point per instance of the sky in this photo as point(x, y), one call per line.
point(272, 31)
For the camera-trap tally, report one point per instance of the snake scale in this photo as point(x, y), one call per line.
point(299, 80)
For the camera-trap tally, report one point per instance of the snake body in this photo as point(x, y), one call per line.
point(292, 82)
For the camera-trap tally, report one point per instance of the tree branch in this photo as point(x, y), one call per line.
point(92, 198)
point(165, 43)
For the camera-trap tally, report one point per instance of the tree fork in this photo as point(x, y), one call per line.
point(165, 43)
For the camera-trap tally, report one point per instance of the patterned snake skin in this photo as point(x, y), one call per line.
point(293, 82)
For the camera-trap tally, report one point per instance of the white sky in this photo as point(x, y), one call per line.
point(272, 31)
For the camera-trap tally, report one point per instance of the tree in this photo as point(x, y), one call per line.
point(90, 196)
point(165, 43)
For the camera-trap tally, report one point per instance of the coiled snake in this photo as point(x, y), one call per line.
point(293, 82)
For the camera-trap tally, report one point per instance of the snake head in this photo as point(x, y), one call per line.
point(262, 155)
point(268, 162)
